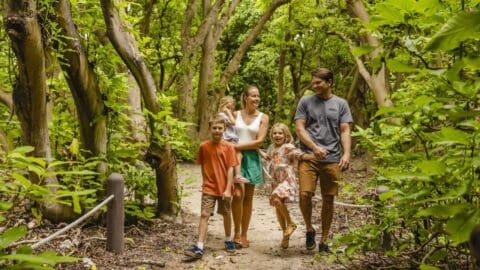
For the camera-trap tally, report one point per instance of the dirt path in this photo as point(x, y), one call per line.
point(264, 234)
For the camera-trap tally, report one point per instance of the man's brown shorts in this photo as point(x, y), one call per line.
point(327, 173)
point(208, 204)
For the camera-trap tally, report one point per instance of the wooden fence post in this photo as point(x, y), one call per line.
point(115, 214)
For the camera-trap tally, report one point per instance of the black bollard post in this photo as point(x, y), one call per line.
point(115, 214)
point(474, 244)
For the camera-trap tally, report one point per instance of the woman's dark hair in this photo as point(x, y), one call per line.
point(323, 73)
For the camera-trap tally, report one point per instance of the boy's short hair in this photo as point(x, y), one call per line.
point(217, 119)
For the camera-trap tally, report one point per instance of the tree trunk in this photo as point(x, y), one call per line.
point(83, 84)
point(4, 144)
point(29, 93)
point(357, 102)
point(205, 105)
point(190, 44)
point(280, 85)
point(377, 82)
point(161, 158)
point(5, 99)
point(138, 125)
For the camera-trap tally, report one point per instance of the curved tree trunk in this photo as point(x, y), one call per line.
point(205, 105)
point(29, 93)
point(83, 84)
point(161, 158)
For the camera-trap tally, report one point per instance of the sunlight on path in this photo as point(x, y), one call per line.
point(264, 235)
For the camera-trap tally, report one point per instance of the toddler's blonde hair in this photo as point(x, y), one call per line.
point(224, 101)
point(284, 129)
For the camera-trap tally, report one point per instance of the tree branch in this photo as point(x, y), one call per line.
point(125, 45)
point(234, 63)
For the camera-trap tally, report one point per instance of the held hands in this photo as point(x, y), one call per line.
point(320, 153)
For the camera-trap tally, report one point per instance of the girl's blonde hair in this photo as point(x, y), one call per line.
point(284, 129)
point(224, 101)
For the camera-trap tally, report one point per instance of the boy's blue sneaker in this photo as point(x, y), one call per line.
point(230, 246)
point(195, 252)
point(310, 241)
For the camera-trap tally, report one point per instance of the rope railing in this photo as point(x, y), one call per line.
point(73, 224)
point(115, 216)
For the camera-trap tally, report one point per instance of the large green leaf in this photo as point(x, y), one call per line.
point(362, 50)
point(463, 26)
point(428, 267)
point(443, 211)
point(11, 235)
point(432, 167)
point(397, 66)
point(461, 225)
point(449, 135)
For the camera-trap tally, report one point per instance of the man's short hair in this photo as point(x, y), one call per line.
point(217, 119)
point(323, 73)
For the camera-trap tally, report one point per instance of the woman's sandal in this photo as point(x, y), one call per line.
point(285, 241)
point(238, 244)
point(245, 243)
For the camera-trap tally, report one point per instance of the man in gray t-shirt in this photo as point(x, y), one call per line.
point(323, 126)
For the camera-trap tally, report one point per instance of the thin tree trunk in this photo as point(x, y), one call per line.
point(161, 158)
point(83, 84)
point(280, 85)
point(205, 105)
point(5, 99)
point(4, 144)
point(377, 82)
point(138, 125)
point(190, 44)
point(356, 100)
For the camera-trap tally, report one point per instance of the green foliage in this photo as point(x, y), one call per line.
point(461, 27)
point(23, 257)
point(426, 147)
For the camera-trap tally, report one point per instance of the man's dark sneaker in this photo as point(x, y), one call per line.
point(322, 247)
point(230, 246)
point(195, 252)
point(310, 242)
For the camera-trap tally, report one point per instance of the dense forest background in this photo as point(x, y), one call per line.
point(88, 88)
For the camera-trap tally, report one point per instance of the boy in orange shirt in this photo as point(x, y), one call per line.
point(217, 158)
